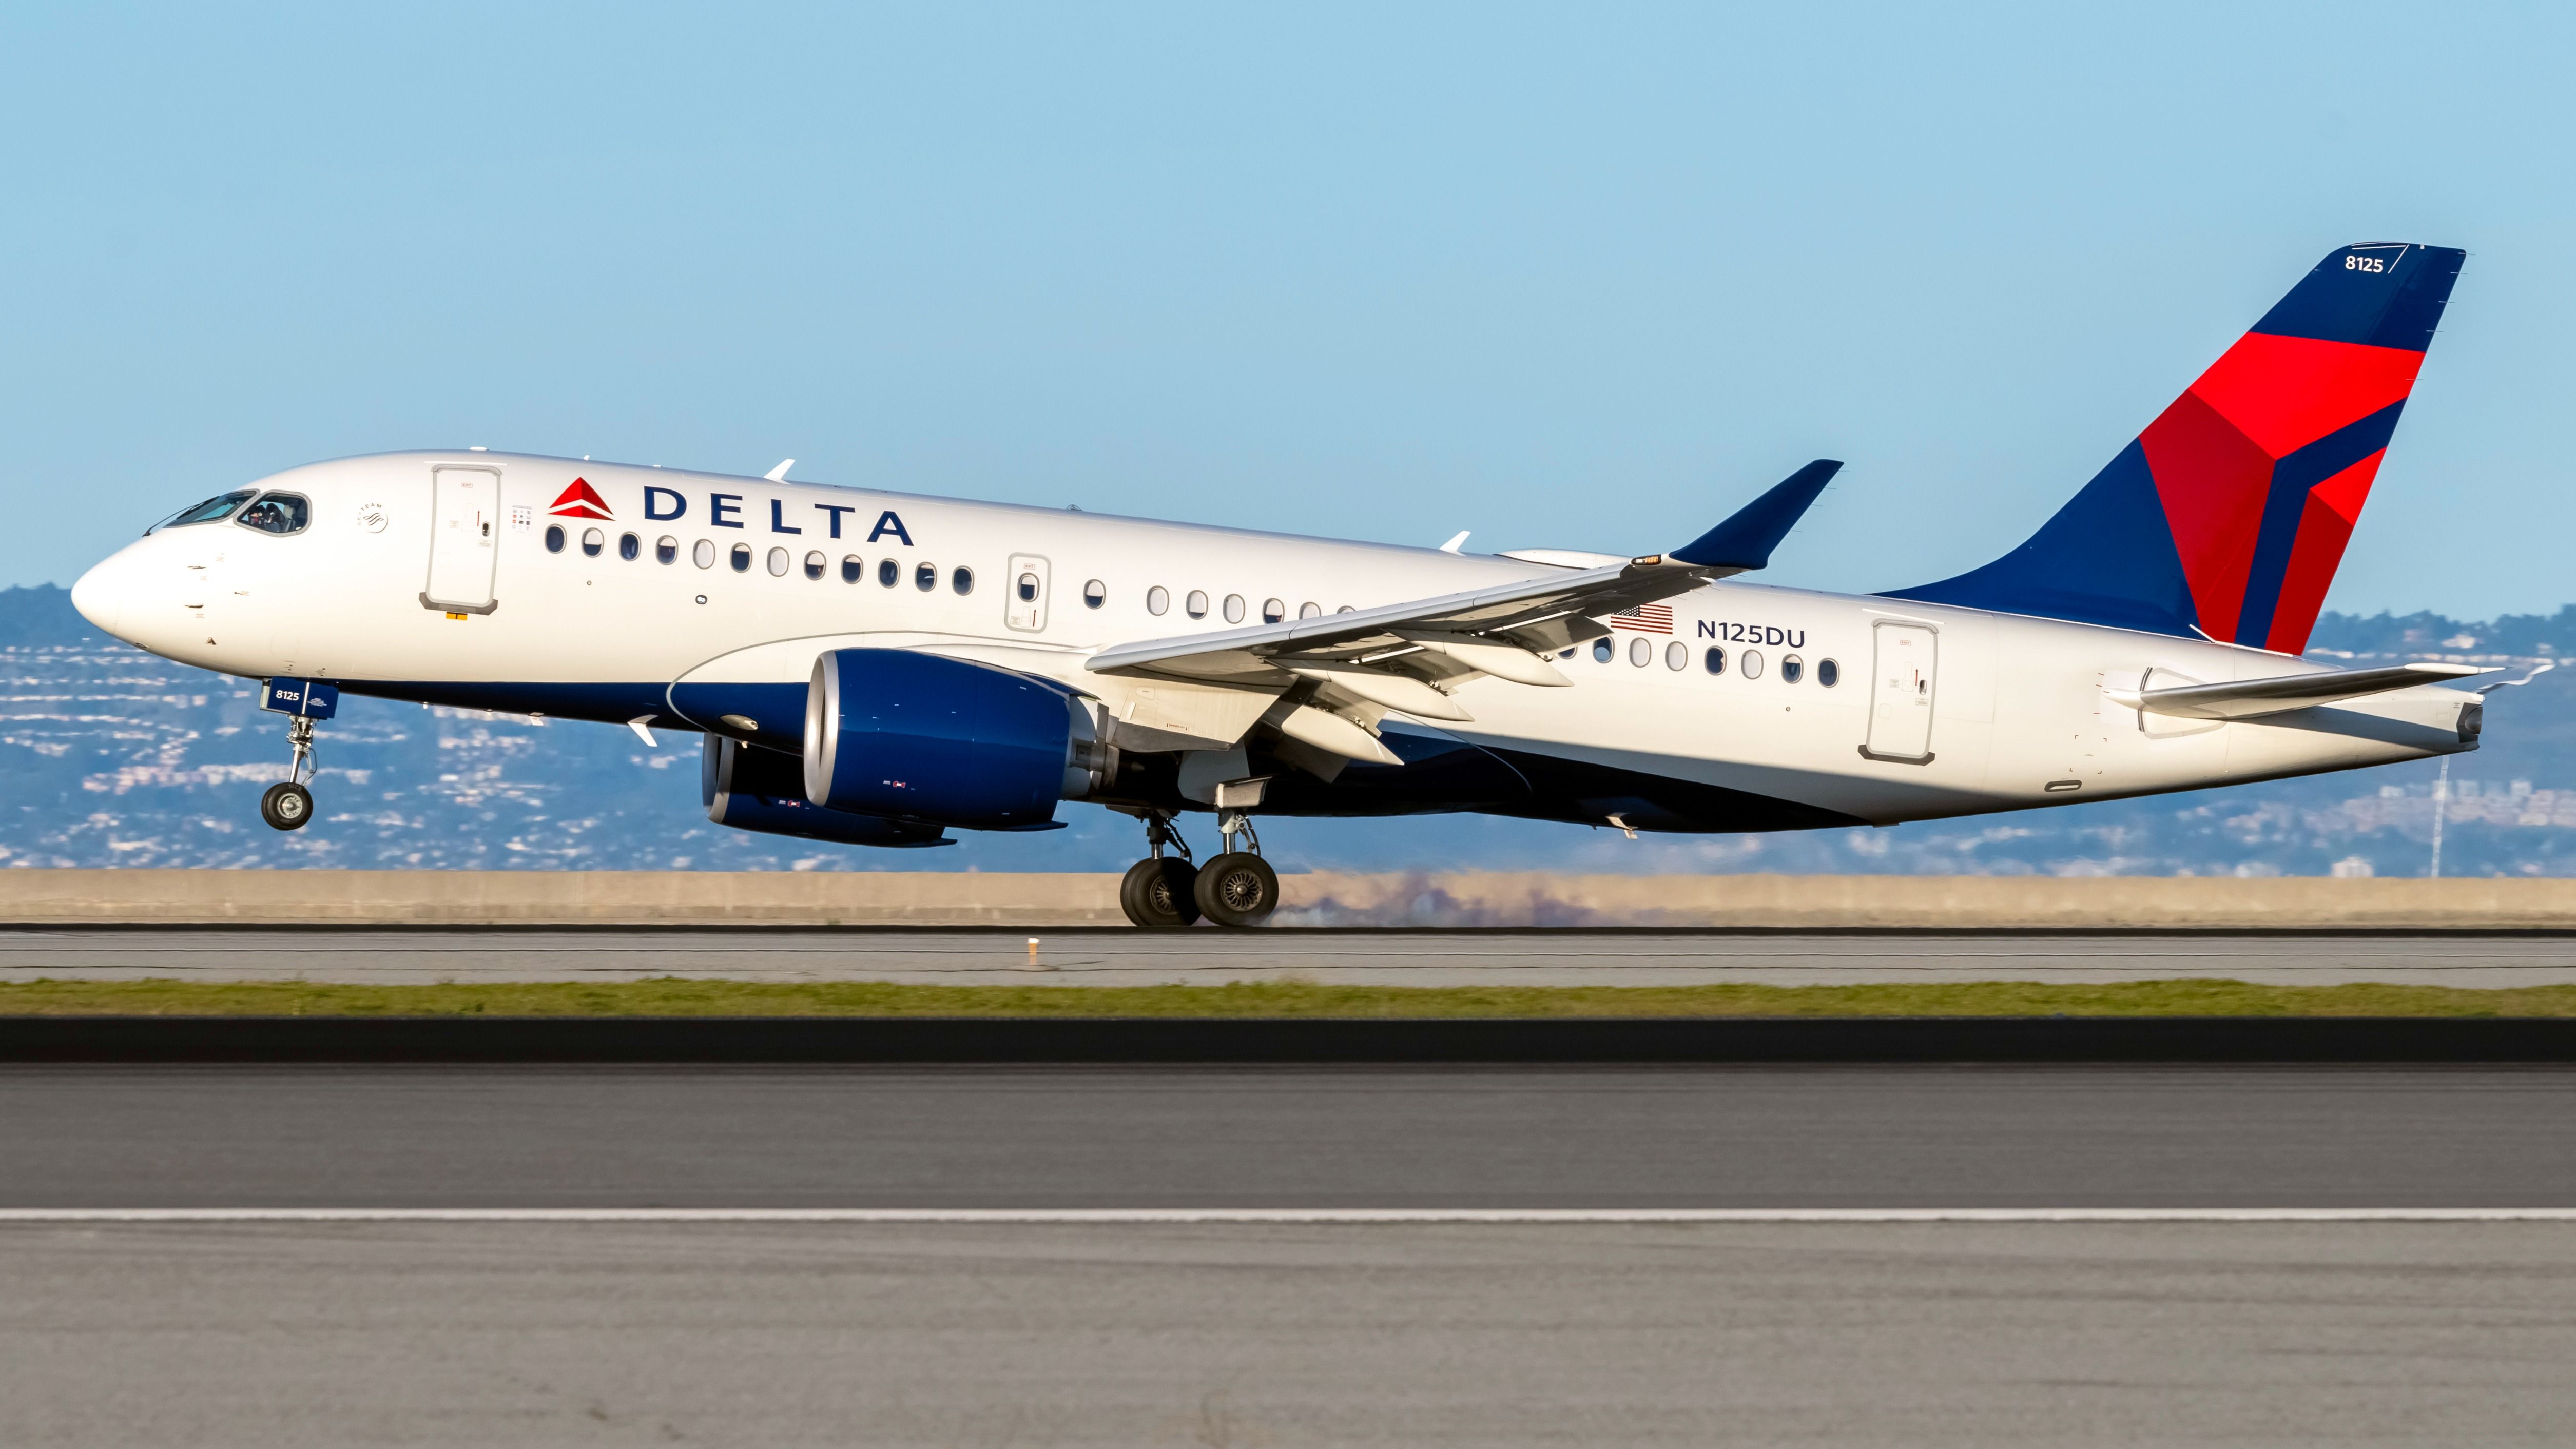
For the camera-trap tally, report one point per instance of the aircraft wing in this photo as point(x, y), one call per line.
point(2254, 698)
point(1325, 682)
point(1409, 656)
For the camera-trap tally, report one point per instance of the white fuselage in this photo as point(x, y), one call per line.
point(2018, 712)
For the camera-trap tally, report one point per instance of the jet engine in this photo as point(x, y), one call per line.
point(920, 737)
point(750, 788)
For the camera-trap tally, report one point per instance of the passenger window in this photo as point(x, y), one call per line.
point(852, 570)
point(1344, 609)
point(1094, 594)
point(628, 546)
point(888, 572)
point(1309, 610)
point(1639, 652)
point(1234, 608)
point(1828, 673)
point(1196, 604)
point(1749, 663)
point(1792, 668)
point(666, 549)
point(1677, 655)
point(704, 554)
point(816, 565)
point(779, 563)
point(554, 538)
point(742, 558)
point(592, 541)
point(279, 513)
point(925, 577)
point(1602, 651)
point(1714, 660)
point(1158, 601)
point(1272, 611)
point(1028, 588)
point(962, 579)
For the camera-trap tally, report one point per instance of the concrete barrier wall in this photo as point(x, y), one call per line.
point(600, 898)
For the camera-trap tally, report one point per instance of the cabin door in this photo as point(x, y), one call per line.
point(1027, 594)
point(1901, 684)
point(464, 538)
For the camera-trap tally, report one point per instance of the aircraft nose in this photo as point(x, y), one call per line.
point(100, 593)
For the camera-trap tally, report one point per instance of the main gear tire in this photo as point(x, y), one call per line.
point(1237, 888)
point(1156, 894)
point(286, 806)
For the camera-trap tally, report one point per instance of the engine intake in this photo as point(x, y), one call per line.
point(912, 736)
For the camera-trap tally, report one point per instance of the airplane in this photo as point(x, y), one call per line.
point(879, 669)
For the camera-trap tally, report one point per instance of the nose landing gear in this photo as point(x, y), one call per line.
point(288, 804)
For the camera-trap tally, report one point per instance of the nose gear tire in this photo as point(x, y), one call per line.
point(1156, 894)
point(286, 806)
point(1237, 888)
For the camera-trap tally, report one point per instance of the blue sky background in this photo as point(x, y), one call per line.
point(1583, 277)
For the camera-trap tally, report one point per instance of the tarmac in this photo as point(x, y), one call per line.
point(1594, 1335)
point(1127, 957)
point(2268, 1321)
point(1124, 1137)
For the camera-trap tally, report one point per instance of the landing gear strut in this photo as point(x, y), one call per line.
point(1156, 892)
point(287, 805)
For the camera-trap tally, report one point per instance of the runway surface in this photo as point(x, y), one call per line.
point(959, 1137)
point(1414, 958)
point(1282, 1333)
point(443, 1334)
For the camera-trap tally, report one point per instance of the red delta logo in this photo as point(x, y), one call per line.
point(581, 501)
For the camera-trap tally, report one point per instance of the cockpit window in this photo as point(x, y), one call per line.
point(278, 513)
point(209, 511)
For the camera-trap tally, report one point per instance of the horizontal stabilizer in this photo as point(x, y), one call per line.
point(1745, 540)
point(2253, 698)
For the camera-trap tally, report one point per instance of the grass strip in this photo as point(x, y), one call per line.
point(684, 996)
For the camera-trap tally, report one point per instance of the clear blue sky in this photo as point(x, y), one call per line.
point(1581, 277)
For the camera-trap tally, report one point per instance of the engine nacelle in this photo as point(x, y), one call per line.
point(750, 788)
point(919, 737)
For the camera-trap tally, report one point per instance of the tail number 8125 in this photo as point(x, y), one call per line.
point(2365, 264)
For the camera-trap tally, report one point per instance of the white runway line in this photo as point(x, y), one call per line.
point(1287, 1215)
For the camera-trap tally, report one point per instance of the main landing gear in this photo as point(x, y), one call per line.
point(287, 805)
point(1237, 888)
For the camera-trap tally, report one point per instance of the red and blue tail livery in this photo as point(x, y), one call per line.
point(2227, 516)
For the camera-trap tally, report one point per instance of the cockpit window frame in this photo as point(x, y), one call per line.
point(241, 518)
point(234, 501)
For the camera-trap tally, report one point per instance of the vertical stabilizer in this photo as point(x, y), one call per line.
point(2228, 515)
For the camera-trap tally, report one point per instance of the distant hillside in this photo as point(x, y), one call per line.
point(41, 615)
point(109, 756)
point(2529, 635)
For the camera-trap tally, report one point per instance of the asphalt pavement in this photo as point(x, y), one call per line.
point(1468, 1137)
point(1093, 957)
point(1228, 1335)
point(1138, 1332)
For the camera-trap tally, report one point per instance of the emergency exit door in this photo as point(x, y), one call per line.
point(1901, 683)
point(1027, 595)
point(464, 539)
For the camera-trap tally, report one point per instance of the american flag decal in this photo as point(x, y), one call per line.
point(1645, 619)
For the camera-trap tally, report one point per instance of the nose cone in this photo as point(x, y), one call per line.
point(100, 593)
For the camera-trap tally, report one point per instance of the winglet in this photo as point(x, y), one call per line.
point(1745, 540)
point(779, 473)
